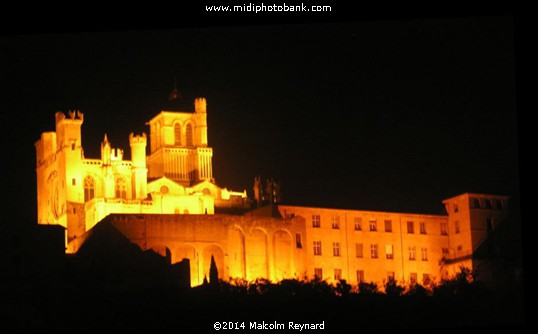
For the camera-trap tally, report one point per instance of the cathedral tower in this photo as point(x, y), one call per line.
point(179, 146)
point(59, 158)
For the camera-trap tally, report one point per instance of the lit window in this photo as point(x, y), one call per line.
point(475, 203)
point(317, 247)
point(374, 254)
point(298, 240)
point(337, 274)
point(336, 222)
point(358, 224)
point(373, 225)
point(360, 276)
point(457, 227)
point(389, 252)
point(424, 253)
point(318, 273)
point(388, 225)
point(359, 250)
point(444, 229)
point(188, 135)
point(336, 249)
point(410, 227)
point(121, 188)
point(412, 253)
point(422, 228)
point(413, 278)
point(89, 188)
point(177, 134)
point(426, 280)
point(158, 132)
point(316, 221)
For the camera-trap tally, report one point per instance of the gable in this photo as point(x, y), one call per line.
point(164, 185)
point(207, 186)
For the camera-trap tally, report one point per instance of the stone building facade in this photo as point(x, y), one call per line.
point(166, 201)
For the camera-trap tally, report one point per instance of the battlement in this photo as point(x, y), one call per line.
point(116, 154)
point(200, 105)
point(74, 115)
point(138, 139)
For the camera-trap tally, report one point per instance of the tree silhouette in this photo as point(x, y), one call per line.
point(213, 272)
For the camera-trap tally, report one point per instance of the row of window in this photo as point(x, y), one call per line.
point(486, 203)
point(372, 224)
point(177, 134)
point(89, 188)
point(413, 277)
point(374, 251)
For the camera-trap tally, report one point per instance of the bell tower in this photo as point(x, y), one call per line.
point(179, 145)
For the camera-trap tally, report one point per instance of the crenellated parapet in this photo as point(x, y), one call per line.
point(200, 105)
point(138, 139)
point(74, 115)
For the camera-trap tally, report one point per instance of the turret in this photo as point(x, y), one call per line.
point(68, 129)
point(140, 172)
point(200, 107)
point(106, 151)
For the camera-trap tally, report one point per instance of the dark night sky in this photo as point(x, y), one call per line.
point(390, 114)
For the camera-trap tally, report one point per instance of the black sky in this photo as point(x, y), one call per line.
point(381, 114)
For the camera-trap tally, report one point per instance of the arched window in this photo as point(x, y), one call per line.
point(158, 136)
point(121, 188)
point(188, 132)
point(89, 188)
point(177, 134)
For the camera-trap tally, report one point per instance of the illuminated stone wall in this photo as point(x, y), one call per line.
point(371, 246)
point(471, 218)
point(243, 246)
point(168, 203)
point(353, 245)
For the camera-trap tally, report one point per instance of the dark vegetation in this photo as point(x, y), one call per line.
point(457, 303)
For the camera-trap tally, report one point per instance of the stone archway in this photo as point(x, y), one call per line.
point(217, 253)
point(256, 255)
point(185, 251)
point(282, 252)
point(236, 253)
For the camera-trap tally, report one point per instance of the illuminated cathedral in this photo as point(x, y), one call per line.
point(77, 192)
point(166, 202)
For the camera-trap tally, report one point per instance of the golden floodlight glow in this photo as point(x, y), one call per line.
point(176, 178)
point(166, 201)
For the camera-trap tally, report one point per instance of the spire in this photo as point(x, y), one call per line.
point(175, 95)
point(106, 150)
